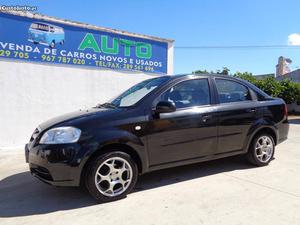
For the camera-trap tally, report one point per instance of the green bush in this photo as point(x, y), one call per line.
point(270, 86)
point(286, 89)
point(289, 91)
point(246, 76)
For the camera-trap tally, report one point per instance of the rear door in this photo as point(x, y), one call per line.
point(188, 133)
point(237, 112)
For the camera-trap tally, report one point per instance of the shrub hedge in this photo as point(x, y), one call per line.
point(286, 89)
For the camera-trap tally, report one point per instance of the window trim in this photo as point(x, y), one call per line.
point(252, 95)
point(210, 90)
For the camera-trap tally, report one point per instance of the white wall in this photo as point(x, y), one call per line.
point(170, 67)
point(293, 108)
point(31, 93)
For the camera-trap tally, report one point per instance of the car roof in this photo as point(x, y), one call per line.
point(229, 77)
point(176, 76)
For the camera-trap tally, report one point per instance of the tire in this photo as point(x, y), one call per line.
point(116, 174)
point(52, 44)
point(261, 150)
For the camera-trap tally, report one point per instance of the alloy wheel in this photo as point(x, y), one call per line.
point(264, 148)
point(113, 176)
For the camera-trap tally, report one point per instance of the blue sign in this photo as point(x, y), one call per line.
point(50, 42)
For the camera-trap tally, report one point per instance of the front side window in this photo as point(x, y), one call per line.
point(188, 94)
point(138, 91)
point(59, 30)
point(39, 26)
point(231, 91)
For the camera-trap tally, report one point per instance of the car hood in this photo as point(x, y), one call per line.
point(99, 112)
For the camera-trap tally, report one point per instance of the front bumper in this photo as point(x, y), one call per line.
point(58, 165)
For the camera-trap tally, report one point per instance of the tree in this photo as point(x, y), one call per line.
point(200, 72)
point(246, 76)
point(224, 71)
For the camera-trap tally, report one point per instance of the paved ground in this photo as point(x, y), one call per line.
point(226, 191)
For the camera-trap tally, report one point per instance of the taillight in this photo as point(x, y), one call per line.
point(285, 110)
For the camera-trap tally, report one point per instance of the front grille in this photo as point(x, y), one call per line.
point(41, 172)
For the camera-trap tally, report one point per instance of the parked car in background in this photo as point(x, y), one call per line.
point(159, 123)
point(44, 33)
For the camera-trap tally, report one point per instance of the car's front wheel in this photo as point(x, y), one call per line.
point(261, 150)
point(111, 176)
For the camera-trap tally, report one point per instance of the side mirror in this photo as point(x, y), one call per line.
point(165, 107)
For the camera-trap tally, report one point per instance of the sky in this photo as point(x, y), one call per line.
point(197, 23)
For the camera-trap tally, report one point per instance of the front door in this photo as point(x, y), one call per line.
point(188, 133)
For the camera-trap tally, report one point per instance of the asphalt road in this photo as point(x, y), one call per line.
point(226, 191)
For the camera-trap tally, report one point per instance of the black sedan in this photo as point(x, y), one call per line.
point(159, 123)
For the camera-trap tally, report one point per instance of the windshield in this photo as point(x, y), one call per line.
point(138, 91)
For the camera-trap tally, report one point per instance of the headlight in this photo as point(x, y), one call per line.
point(61, 135)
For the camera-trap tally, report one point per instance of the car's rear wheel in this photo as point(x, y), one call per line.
point(52, 44)
point(261, 150)
point(111, 176)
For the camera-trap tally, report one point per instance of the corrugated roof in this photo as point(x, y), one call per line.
point(84, 25)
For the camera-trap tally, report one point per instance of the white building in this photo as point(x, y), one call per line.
point(37, 82)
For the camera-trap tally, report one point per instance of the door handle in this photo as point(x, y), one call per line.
point(206, 117)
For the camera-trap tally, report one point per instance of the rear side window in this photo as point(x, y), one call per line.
point(231, 91)
point(188, 94)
